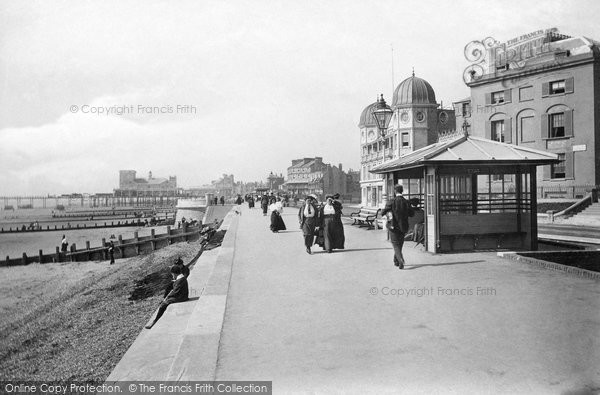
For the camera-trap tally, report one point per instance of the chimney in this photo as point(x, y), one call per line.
point(340, 166)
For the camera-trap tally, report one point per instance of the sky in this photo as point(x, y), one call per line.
point(197, 89)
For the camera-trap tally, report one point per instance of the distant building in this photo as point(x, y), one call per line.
point(225, 186)
point(353, 185)
point(542, 92)
point(131, 186)
point(274, 181)
point(311, 175)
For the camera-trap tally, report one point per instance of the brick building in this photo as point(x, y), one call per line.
point(542, 92)
point(311, 175)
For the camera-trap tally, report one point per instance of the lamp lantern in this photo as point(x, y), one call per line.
point(382, 114)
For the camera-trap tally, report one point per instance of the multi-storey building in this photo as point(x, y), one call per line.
point(274, 181)
point(416, 122)
point(311, 175)
point(543, 92)
point(131, 186)
point(225, 186)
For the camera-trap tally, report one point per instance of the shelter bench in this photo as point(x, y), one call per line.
point(477, 237)
point(365, 217)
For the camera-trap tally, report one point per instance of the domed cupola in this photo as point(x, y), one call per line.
point(413, 90)
point(366, 118)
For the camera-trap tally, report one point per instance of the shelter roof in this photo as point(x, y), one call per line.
point(468, 150)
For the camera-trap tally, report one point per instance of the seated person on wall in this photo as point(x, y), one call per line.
point(179, 293)
point(184, 270)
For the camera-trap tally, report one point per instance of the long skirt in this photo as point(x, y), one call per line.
point(277, 223)
point(308, 231)
point(264, 208)
point(333, 234)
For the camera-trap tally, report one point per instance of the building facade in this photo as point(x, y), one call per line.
point(274, 181)
point(416, 122)
point(224, 186)
point(131, 186)
point(311, 175)
point(543, 93)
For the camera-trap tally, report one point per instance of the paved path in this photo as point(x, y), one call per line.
point(463, 323)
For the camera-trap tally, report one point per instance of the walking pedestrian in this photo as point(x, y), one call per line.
point(308, 217)
point(340, 235)
point(264, 204)
point(332, 233)
point(277, 223)
point(111, 252)
point(64, 244)
point(398, 225)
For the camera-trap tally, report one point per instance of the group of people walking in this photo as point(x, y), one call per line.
point(321, 223)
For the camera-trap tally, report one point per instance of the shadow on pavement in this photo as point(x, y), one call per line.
point(359, 249)
point(412, 267)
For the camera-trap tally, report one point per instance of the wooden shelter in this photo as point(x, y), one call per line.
point(476, 193)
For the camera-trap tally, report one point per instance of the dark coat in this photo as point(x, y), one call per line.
point(180, 292)
point(400, 210)
point(308, 224)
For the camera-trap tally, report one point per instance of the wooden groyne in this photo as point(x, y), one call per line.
point(124, 248)
point(68, 226)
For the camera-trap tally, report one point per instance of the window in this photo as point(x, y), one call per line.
point(557, 125)
point(498, 97)
point(496, 193)
point(443, 117)
point(455, 194)
point(430, 194)
point(405, 139)
point(466, 109)
point(557, 87)
point(559, 169)
point(498, 131)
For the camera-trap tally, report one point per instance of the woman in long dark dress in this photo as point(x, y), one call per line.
point(340, 237)
point(332, 232)
point(277, 223)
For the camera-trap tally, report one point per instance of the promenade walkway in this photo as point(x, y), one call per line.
point(350, 322)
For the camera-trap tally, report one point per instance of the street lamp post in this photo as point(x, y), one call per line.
point(382, 113)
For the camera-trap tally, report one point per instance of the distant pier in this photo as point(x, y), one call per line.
point(25, 202)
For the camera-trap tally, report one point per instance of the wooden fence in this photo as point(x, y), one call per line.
point(123, 248)
point(68, 226)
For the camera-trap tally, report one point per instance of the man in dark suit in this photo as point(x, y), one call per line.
point(179, 293)
point(398, 225)
point(308, 216)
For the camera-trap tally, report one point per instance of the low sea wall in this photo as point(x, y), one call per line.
point(124, 248)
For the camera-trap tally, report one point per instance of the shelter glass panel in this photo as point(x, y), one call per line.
point(455, 194)
point(430, 195)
